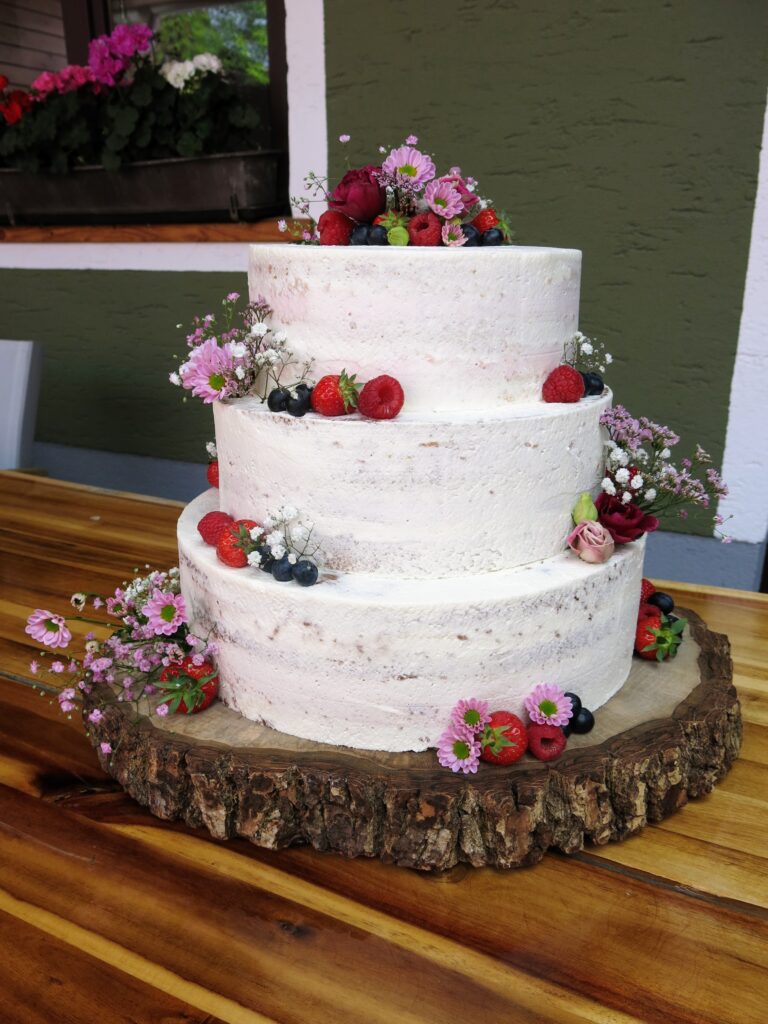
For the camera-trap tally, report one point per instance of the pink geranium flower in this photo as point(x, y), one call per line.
point(547, 705)
point(407, 168)
point(48, 629)
point(443, 199)
point(459, 750)
point(165, 612)
point(207, 372)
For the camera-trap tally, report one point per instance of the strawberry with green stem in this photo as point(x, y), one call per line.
point(189, 688)
point(657, 642)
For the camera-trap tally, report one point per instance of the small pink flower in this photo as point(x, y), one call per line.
point(165, 612)
point(471, 714)
point(344, 138)
point(412, 140)
point(57, 666)
point(459, 750)
point(452, 235)
point(161, 710)
point(97, 602)
point(591, 541)
point(443, 199)
point(66, 705)
point(233, 296)
point(48, 629)
point(34, 667)
point(547, 705)
point(106, 748)
point(96, 715)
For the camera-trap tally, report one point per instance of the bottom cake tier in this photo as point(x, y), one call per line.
point(376, 663)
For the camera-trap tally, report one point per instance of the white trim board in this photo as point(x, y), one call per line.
point(745, 463)
point(307, 110)
point(170, 256)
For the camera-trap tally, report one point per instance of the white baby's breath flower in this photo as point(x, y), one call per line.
point(650, 494)
point(586, 348)
point(275, 537)
point(289, 512)
point(259, 330)
point(211, 449)
point(174, 378)
point(637, 482)
point(280, 337)
point(255, 532)
point(299, 533)
point(626, 498)
point(622, 475)
point(608, 358)
point(254, 558)
point(608, 486)
point(665, 453)
point(278, 550)
point(239, 349)
point(240, 372)
point(269, 522)
point(292, 558)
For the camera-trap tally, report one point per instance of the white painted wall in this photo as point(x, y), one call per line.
point(307, 121)
point(745, 465)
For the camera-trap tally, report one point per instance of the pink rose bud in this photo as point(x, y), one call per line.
point(591, 542)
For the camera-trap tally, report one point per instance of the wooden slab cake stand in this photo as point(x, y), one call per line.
point(672, 732)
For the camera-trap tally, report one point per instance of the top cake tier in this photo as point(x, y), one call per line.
point(460, 328)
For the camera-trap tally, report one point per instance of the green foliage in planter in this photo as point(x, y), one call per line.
point(144, 119)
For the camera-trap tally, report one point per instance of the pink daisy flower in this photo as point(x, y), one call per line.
point(471, 714)
point(165, 613)
point(453, 235)
point(48, 629)
point(546, 704)
point(443, 199)
point(207, 372)
point(459, 750)
point(407, 168)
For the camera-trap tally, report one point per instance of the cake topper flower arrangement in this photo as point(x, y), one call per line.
point(149, 651)
point(401, 201)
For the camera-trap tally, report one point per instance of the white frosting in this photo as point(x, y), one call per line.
point(427, 495)
point(378, 663)
point(459, 328)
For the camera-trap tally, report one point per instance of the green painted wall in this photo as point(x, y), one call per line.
point(630, 130)
point(109, 339)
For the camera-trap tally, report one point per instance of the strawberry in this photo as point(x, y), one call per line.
point(564, 384)
point(425, 229)
point(335, 395)
point(213, 473)
point(546, 742)
point(485, 219)
point(658, 642)
point(235, 543)
point(381, 399)
point(504, 740)
point(646, 589)
point(212, 525)
point(334, 228)
point(190, 688)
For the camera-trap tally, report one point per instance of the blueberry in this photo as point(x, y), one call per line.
point(303, 389)
point(663, 602)
point(305, 573)
point(471, 234)
point(566, 729)
point(593, 384)
point(492, 237)
point(359, 234)
point(378, 235)
point(282, 569)
point(299, 405)
point(583, 722)
point(575, 703)
point(277, 399)
point(267, 559)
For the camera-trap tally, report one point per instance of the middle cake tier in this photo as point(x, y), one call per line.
point(428, 495)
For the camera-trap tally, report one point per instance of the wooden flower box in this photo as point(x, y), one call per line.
point(225, 187)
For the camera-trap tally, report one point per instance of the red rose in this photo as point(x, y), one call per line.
point(3, 82)
point(359, 195)
point(624, 522)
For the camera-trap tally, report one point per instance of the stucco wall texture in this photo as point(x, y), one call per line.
point(109, 338)
point(628, 130)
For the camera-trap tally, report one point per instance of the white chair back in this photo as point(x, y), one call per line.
point(20, 363)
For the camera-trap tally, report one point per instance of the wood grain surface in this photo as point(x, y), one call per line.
point(109, 914)
point(259, 231)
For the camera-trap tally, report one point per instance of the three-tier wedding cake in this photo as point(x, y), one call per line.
point(445, 570)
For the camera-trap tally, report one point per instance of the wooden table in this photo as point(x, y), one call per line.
point(107, 914)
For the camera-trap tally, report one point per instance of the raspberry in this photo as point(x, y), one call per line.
point(484, 220)
point(546, 742)
point(564, 384)
point(334, 228)
point(648, 611)
point(213, 473)
point(381, 399)
point(212, 525)
point(424, 229)
point(646, 589)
